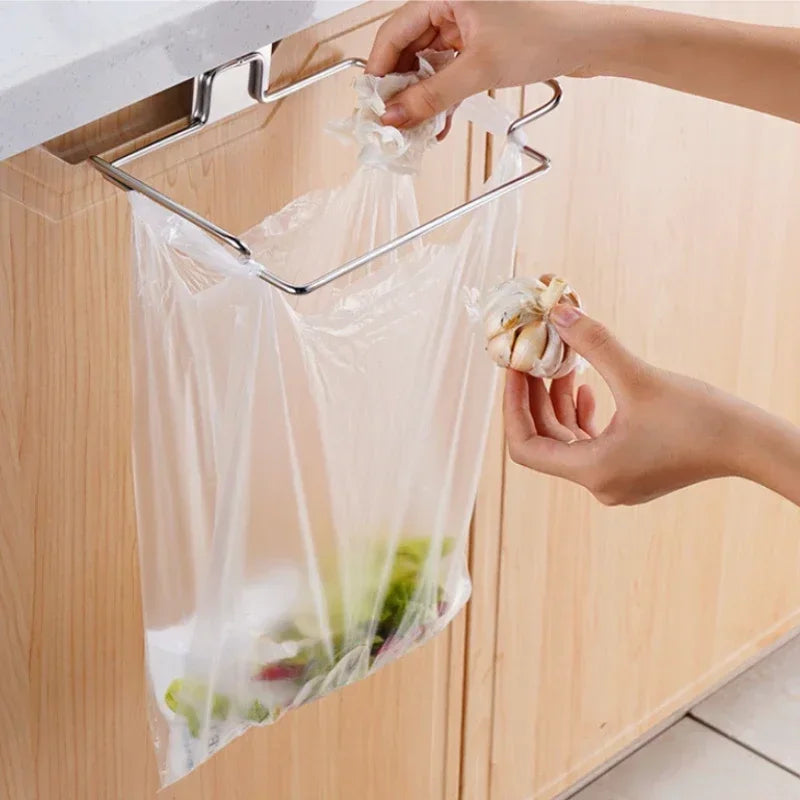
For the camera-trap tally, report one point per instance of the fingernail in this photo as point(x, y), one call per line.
point(565, 315)
point(395, 115)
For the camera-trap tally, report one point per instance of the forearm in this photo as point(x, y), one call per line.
point(748, 65)
point(766, 450)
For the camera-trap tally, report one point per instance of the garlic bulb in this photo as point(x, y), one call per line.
point(519, 333)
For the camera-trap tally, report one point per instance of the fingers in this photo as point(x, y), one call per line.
point(516, 408)
point(524, 410)
point(562, 392)
point(414, 27)
point(543, 454)
point(585, 409)
point(447, 125)
point(549, 456)
point(405, 27)
point(544, 416)
point(407, 60)
point(456, 82)
point(596, 344)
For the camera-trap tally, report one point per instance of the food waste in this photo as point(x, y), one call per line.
point(369, 627)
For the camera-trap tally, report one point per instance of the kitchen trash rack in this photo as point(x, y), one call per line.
point(206, 110)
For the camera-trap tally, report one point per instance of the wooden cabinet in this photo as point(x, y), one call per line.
point(73, 722)
point(588, 625)
point(675, 217)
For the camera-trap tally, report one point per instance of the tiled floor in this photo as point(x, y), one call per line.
point(761, 708)
point(741, 743)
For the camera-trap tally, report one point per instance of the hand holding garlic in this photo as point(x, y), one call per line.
point(519, 333)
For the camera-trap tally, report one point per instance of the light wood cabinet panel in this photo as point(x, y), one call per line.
point(73, 720)
point(481, 617)
point(676, 218)
point(587, 626)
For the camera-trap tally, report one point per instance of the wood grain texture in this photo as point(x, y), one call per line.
point(587, 626)
point(484, 550)
point(114, 130)
point(73, 720)
point(16, 545)
point(668, 213)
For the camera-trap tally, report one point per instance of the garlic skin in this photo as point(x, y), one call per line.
point(499, 348)
point(528, 346)
point(519, 333)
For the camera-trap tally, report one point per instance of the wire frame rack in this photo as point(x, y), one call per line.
point(251, 72)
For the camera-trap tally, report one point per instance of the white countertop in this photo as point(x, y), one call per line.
point(63, 64)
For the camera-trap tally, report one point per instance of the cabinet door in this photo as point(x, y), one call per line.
point(73, 721)
point(676, 219)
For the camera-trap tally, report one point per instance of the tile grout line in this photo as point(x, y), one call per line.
point(661, 727)
point(743, 745)
point(662, 730)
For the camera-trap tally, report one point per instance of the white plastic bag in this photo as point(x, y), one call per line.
point(305, 469)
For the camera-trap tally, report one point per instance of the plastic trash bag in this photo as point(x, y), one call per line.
point(305, 468)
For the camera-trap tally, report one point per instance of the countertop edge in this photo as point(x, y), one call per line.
point(100, 83)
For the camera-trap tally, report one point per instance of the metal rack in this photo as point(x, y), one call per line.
point(222, 91)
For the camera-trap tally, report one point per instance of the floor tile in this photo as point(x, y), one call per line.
point(691, 762)
point(761, 708)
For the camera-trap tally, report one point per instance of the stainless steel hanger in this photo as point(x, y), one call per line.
point(225, 90)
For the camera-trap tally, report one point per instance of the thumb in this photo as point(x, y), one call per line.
point(456, 82)
point(597, 345)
